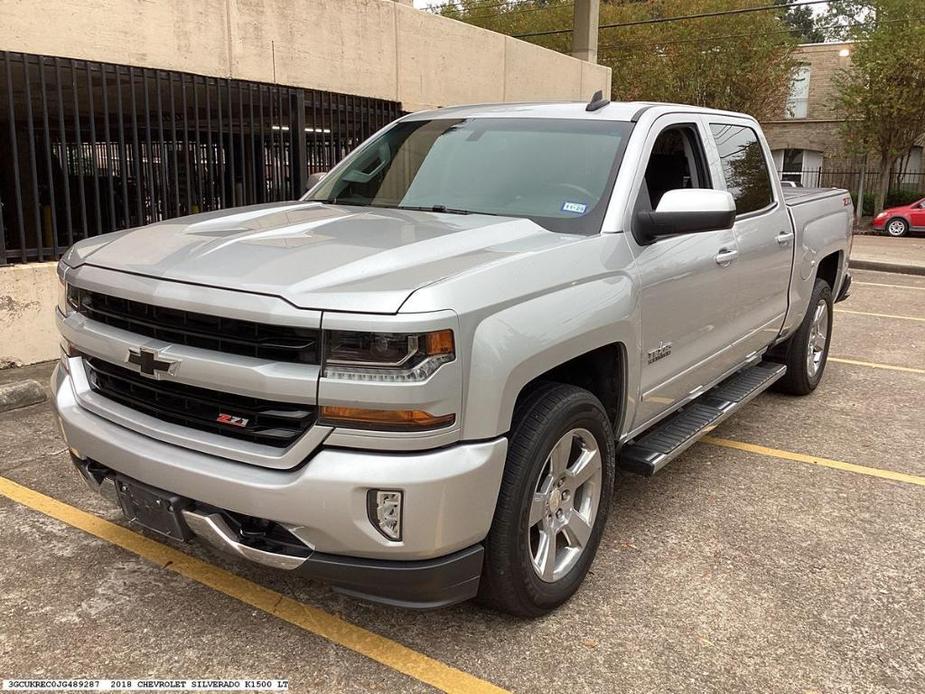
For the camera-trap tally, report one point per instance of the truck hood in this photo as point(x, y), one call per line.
point(328, 257)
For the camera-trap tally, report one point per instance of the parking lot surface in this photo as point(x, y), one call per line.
point(731, 570)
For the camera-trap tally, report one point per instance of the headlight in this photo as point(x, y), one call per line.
point(399, 357)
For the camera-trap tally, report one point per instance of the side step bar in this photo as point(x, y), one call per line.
point(669, 438)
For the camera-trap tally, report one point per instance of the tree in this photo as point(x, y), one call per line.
point(882, 93)
point(802, 21)
point(739, 62)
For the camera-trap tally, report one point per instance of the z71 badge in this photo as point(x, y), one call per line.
point(232, 420)
point(660, 352)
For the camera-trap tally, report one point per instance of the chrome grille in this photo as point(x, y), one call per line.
point(267, 422)
point(231, 335)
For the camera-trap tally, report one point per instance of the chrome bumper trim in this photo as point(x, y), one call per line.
point(212, 528)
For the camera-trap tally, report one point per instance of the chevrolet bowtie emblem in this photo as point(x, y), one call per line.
point(149, 362)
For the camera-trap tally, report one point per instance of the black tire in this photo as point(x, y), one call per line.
point(900, 223)
point(799, 380)
point(542, 417)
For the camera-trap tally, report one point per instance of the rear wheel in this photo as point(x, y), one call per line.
point(553, 502)
point(897, 227)
point(807, 350)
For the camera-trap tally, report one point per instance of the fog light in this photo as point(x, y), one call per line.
point(384, 508)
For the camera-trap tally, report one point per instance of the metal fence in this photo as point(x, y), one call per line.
point(900, 182)
point(87, 147)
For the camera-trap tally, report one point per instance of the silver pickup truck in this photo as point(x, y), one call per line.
point(417, 382)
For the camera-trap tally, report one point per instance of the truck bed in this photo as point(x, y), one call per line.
point(799, 196)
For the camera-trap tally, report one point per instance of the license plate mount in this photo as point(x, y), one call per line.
point(153, 508)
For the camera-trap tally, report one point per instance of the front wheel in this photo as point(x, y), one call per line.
point(807, 350)
point(553, 502)
point(897, 227)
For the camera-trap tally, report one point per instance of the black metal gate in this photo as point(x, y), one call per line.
point(87, 147)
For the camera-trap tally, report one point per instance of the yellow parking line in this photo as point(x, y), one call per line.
point(824, 462)
point(311, 619)
point(873, 365)
point(894, 286)
point(878, 315)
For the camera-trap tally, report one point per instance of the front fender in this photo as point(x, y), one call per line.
point(517, 344)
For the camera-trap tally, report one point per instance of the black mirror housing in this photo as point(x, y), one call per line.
point(653, 224)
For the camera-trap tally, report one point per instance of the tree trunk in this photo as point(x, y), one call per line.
point(886, 166)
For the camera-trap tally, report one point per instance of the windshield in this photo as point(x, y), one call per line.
point(558, 173)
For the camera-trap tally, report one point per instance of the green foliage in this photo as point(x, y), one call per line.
point(881, 94)
point(736, 62)
point(802, 21)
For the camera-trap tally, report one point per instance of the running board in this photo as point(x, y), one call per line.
point(672, 436)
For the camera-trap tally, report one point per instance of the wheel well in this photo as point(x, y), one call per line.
point(828, 269)
point(600, 371)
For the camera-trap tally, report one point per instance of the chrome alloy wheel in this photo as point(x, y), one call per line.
point(818, 334)
point(564, 506)
point(897, 227)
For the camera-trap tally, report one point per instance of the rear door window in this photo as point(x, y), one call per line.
point(744, 166)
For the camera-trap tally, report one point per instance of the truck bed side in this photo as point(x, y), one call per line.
point(822, 224)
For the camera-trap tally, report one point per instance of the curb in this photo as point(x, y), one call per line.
point(20, 394)
point(883, 266)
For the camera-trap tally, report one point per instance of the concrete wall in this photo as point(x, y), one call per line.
point(375, 48)
point(28, 294)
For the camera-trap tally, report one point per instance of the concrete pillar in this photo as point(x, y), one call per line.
point(584, 36)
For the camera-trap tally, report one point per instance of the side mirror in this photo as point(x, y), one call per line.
point(688, 211)
point(314, 179)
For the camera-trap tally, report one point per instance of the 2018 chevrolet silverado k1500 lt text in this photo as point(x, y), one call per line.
point(416, 382)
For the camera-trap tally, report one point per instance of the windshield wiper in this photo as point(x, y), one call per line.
point(432, 208)
point(446, 210)
point(414, 208)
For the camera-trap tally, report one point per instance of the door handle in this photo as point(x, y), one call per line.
point(784, 237)
point(726, 256)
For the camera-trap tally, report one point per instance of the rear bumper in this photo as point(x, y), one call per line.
point(845, 291)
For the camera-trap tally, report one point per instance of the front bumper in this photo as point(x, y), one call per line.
point(449, 498)
point(422, 584)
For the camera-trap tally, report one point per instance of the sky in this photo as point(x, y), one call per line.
point(422, 4)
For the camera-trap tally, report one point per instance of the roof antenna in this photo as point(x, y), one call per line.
point(597, 101)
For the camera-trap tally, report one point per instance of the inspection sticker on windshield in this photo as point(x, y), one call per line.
point(574, 207)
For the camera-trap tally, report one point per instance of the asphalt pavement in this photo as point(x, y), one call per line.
point(787, 554)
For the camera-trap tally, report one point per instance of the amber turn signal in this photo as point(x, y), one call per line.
point(440, 342)
point(384, 420)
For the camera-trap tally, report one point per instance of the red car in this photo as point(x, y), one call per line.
point(899, 221)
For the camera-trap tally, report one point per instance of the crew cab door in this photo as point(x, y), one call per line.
point(763, 231)
point(686, 281)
